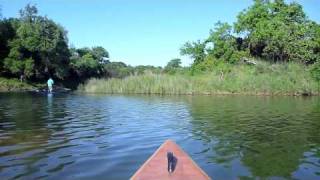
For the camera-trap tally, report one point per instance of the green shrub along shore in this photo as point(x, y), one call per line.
point(14, 85)
point(261, 79)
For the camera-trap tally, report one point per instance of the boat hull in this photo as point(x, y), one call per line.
point(156, 167)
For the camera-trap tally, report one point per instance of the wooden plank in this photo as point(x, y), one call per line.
point(155, 168)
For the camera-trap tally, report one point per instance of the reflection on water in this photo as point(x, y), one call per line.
point(269, 136)
point(109, 137)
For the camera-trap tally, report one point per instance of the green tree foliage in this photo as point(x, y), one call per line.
point(143, 69)
point(7, 33)
point(118, 69)
point(195, 50)
point(97, 52)
point(278, 31)
point(36, 46)
point(83, 51)
point(89, 62)
point(17, 64)
point(224, 43)
point(173, 65)
point(101, 54)
point(275, 31)
point(86, 66)
point(121, 70)
point(44, 39)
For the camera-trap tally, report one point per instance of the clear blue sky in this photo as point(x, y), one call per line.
point(147, 32)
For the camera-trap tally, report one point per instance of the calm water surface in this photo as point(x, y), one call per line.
point(109, 137)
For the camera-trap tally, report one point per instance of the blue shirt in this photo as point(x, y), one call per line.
point(50, 82)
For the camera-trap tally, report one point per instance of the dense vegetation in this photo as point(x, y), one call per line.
point(263, 79)
point(272, 48)
point(270, 30)
point(34, 47)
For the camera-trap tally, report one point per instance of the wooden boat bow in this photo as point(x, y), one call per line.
point(170, 162)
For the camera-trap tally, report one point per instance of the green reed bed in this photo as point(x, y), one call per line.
point(261, 79)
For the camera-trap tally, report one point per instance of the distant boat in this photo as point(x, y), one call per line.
point(170, 162)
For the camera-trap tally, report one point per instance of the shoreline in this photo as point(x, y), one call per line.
point(15, 86)
point(171, 94)
point(209, 94)
point(266, 80)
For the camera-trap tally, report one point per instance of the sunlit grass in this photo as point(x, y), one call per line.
point(262, 79)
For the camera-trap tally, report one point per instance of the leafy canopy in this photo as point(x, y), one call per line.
point(275, 31)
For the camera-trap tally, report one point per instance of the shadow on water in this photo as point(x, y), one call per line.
point(271, 136)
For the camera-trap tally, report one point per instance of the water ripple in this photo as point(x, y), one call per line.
point(94, 137)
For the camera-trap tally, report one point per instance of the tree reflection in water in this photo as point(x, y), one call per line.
point(272, 136)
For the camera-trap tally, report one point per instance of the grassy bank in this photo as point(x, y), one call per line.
point(262, 79)
point(14, 85)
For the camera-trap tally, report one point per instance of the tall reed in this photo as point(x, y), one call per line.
point(262, 79)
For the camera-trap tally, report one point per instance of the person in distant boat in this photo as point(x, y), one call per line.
point(50, 84)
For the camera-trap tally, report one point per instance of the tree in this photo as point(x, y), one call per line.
point(101, 54)
point(86, 66)
point(83, 51)
point(194, 49)
point(17, 64)
point(87, 62)
point(142, 69)
point(248, 19)
point(29, 13)
point(117, 69)
point(278, 31)
point(40, 41)
point(98, 52)
point(173, 65)
point(36, 47)
point(7, 33)
point(224, 44)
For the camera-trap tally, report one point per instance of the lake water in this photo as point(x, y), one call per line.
point(109, 137)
